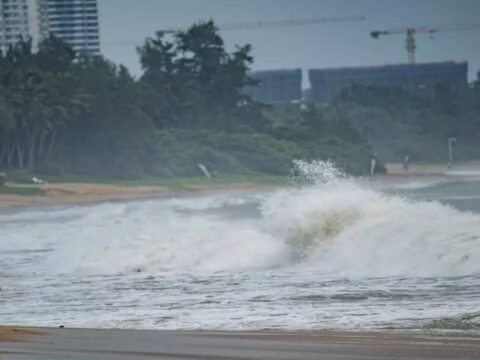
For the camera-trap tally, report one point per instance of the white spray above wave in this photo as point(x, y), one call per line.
point(333, 224)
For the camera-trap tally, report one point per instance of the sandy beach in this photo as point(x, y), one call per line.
point(49, 343)
point(78, 193)
point(74, 193)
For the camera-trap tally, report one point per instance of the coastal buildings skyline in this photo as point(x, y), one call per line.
point(325, 84)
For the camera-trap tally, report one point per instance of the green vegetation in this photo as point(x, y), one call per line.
point(85, 118)
point(191, 183)
point(176, 183)
point(396, 123)
point(18, 190)
point(393, 122)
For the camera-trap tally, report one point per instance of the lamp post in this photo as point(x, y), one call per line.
point(450, 152)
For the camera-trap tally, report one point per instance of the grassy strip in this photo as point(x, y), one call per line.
point(17, 190)
point(186, 183)
point(178, 183)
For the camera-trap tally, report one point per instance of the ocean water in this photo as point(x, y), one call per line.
point(332, 253)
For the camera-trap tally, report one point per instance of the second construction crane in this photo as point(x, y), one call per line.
point(410, 31)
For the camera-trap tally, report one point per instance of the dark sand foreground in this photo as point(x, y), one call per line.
point(53, 344)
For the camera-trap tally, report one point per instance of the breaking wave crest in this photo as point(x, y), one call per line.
point(331, 224)
point(340, 225)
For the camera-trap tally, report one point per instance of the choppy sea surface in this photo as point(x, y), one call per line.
point(333, 253)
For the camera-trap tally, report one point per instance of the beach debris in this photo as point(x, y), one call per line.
point(205, 171)
point(36, 180)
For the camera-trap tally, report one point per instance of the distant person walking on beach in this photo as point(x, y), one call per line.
point(405, 163)
point(3, 178)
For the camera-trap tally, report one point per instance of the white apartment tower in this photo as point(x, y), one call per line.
point(21, 19)
point(75, 21)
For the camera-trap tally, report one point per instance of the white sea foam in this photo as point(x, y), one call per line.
point(341, 226)
point(464, 172)
point(417, 184)
point(330, 253)
point(332, 224)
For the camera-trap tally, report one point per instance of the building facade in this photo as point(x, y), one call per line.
point(276, 86)
point(326, 84)
point(21, 19)
point(75, 21)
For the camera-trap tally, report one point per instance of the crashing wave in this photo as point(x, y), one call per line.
point(332, 224)
point(340, 225)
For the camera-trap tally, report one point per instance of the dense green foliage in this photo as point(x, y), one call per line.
point(396, 123)
point(18, 190)
point(67, 114)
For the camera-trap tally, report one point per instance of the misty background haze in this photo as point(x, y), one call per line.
point(193, 192)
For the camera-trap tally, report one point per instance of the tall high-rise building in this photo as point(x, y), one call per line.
point(75, 21)
point(21, 19)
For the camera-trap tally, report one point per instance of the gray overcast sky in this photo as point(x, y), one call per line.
point(310, 46)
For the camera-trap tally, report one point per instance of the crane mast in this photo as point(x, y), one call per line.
point(411, 46)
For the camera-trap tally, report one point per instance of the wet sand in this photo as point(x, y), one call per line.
point(9, 333)
point(49, 343)
point(78, 193)
point(75, 193)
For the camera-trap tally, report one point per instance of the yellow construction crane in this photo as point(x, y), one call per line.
point(256, 24)
point(410, 31)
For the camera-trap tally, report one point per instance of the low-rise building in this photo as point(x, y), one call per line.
point(326, 84)
point(276, 86)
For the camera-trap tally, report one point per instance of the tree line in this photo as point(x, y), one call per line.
point(62, 112)
point(398, 123)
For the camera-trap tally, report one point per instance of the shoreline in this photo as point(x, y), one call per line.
point(396, 169)
point(74, 193)
point(88, 193)
point(63, 343)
